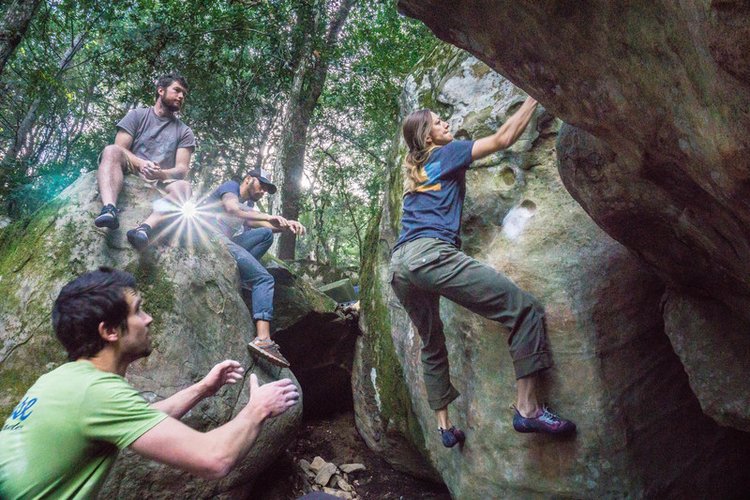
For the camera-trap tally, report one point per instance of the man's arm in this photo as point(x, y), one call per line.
point(181, 165)
point(292, 226)
point(231, 204)
point(214, 454)
point(146, 167)
point(226, 372)
point(125, 141)
point(507, 134)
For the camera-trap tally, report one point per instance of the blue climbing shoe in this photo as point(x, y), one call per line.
point(452, 436)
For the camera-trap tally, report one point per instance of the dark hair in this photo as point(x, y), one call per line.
point(165, 81)
point(92, 298)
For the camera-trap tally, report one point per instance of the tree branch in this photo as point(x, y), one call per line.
point(351, 140)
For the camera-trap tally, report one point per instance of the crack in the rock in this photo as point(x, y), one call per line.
point(12, 349)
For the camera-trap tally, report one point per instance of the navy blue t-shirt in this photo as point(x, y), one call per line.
point(434, 209)
point(227, 224)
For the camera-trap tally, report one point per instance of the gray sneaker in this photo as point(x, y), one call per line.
point(269, 350)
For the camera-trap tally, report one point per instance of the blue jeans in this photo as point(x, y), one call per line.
point(247, 249)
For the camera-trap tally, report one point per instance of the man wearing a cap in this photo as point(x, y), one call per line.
point(248, 234)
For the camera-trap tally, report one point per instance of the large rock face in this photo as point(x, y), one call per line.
point(200, 318)
point(616, 374)
point(658, 97)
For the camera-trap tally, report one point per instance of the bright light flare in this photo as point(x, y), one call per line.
point(189, 210)
point(188, 223)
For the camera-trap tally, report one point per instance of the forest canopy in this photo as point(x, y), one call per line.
point(307, 89)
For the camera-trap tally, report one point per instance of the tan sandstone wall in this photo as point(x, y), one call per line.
point(641, 429)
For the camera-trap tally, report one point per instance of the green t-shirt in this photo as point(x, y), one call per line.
point(64, 435)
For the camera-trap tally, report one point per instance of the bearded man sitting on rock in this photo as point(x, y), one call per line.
point(155, 145)
point(63, 437)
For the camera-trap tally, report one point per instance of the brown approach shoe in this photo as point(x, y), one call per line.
point(268, 349)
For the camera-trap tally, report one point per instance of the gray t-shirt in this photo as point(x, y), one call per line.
point(155, 138)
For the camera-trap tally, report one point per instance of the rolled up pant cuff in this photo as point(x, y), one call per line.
point(263, 317)
point(531, 364)
point(437, 404)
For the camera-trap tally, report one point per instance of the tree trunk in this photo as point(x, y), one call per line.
point(13, 27)
point(308, 84)
point(31, 115)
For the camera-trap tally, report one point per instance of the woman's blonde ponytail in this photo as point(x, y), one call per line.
point(416, 130)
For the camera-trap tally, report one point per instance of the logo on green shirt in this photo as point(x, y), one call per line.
point(21, 412)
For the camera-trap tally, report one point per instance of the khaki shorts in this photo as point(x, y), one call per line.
point(158, 184)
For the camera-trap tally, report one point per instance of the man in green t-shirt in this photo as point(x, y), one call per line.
point(64, 435)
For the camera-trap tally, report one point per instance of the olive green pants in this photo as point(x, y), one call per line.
point(425, 269)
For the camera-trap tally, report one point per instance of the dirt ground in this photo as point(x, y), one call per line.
point(336, 440)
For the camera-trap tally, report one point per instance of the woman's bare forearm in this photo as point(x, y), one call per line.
point(508, 133)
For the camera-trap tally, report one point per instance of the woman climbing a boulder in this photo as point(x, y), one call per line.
point(427, 263)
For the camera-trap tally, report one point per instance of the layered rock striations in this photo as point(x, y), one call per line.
point(641, 429)
point(657, 95)
point(200, 318)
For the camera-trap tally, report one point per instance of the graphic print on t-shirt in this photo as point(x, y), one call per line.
point(433, 174)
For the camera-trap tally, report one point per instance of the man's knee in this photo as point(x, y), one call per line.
point(181, 188)
point(534, 305)
point(266, 278)
point(112, 153)
point(262, 283)
point(530, 314)
point(266, 233)
point(434, 356)
point(252, 271)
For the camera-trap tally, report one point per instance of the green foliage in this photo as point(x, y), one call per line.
point(84, 63)
point(354, 126)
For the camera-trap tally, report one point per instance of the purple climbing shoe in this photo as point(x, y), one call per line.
point(545, 421)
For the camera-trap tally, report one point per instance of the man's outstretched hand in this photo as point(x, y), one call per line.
point(295, 227)
point(226, 372)
point(274, 398)
point(278, 221)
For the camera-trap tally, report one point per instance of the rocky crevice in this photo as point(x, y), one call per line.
point(320, 348)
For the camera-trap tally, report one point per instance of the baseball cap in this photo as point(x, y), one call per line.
point(264, 178)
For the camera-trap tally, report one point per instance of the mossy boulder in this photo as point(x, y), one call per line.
point(191, 288)
point(383, 409)
point(615, 372)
